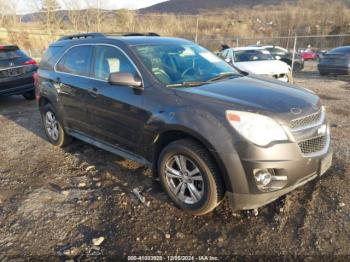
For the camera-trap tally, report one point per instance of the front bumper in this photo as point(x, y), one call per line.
point(299, 172)
point(291, 164)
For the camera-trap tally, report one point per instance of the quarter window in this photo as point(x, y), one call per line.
point(76, 61)
point(109, 60)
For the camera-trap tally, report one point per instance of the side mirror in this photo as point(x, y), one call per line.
point(125, 79)
point(228, 60)
point(278, 57)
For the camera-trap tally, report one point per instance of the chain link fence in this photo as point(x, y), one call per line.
point(34, 42)
point(315, 42)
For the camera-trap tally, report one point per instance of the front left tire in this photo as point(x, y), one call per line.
point(190, 177)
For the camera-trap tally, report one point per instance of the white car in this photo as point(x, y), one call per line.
point(259, 61)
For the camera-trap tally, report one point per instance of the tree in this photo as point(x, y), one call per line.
point(50, 8)
point(75, 13)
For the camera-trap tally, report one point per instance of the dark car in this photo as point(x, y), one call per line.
point(16, 72)
point(205, 129)
point(284, 55)
point(287, 57)
point(336, 61)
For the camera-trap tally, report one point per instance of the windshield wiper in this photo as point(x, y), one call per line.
point(222, 76)
point(184, 84)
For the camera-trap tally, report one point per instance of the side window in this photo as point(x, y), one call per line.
point(47, 62)
point(224, 53)
point(109, 60)
point(76, 61)
point(230, 55)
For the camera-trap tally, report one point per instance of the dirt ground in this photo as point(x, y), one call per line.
point(54, 202)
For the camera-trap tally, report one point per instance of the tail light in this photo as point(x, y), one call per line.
point(30, 62)
point(36, 85)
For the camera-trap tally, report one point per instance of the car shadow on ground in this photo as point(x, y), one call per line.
point(311, 73)
point(26, 115)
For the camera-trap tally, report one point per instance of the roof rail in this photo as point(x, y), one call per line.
point(81, 36)
point(141, 34)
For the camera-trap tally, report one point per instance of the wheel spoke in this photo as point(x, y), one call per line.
point(194, 172)
point(197, 178)
point(172, 173)
point(49, 116)
point(48, 122)
point(55, 133)
point(180, 161)
point(177, 188)
point(196, 195)
point(181, 194)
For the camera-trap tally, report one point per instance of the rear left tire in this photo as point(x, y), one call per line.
point(54, 129)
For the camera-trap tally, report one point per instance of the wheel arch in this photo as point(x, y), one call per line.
point(176, 133)
point(43, 101)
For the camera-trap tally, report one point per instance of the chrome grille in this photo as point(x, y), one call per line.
point(306, 121)
point(313, 145)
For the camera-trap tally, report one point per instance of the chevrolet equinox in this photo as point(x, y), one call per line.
point(204, 128)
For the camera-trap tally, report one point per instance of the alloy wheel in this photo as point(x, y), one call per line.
point(52, 126)
point(184, 179)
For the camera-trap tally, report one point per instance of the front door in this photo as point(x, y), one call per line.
point(117, 114)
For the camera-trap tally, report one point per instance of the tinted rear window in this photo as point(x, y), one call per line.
point(11, 54)
point(76, 61)
point(48, 61)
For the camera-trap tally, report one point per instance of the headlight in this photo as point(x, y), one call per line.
point(260, 130)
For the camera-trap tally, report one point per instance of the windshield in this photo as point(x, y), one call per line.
point(252, 55)
point(180, 64)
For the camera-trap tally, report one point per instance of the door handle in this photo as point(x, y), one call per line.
point(93, 91)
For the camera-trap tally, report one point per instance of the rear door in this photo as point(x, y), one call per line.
point(116, 114)
point(73, 84)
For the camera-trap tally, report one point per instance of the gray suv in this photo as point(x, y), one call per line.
point(205, 129)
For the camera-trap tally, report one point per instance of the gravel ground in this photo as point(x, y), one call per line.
point(58, 202)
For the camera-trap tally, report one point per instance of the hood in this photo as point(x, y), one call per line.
point(255, 94)
point(268, 67)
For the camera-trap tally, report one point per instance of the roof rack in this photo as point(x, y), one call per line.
point(81, 36)
point(141, 34)
point(96, 35)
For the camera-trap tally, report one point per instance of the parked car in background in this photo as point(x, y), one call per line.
point(336, 61)
point(204, 128)
point(282, 54)
point(321, 53)
point(308, 54)
point(16, 72)
point(259, 61)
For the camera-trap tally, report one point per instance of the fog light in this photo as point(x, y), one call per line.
point(268, 180)
point(263, 178)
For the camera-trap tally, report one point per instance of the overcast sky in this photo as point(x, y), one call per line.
point(26, 6)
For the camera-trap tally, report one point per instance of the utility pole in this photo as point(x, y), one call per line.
point(294, 51)
point(98, 15)
point(197, 29)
